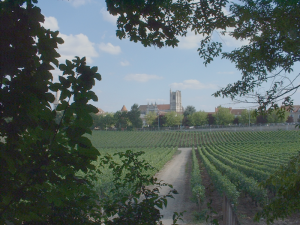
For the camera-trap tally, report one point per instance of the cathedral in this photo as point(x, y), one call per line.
point(161, 109)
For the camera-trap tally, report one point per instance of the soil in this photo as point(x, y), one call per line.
point(177, 172)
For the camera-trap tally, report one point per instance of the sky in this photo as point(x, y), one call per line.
point(134, 74)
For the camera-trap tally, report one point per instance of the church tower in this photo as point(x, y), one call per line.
point(175, 101)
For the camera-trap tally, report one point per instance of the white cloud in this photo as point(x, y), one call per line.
point(77, 45)
point(142, 77)
point(192, 84)
point(124, 63)
point(110, 48)
point(108, 17)
point(77, 3)
point(191, 41)
point(50, 23)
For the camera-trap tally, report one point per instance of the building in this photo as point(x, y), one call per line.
point(124, 109)
point(295, 113)
point(175, 105)
point(100, 112)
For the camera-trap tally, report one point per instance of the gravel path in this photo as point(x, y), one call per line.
point(176, 172)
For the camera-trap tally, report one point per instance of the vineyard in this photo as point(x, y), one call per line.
point(235, 161)
point(137, 139)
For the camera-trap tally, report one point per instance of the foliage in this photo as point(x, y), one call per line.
point(150, 118)
point(236, 120)
point(143, 204)
point(209, 216)
point(261, 119)
point(122, 119)
point(198, 118)
point(173, 119)
point(134, 116)
point(222, 183)
point(40, 158)
point(247, 115)
point(161, 120)
point(198, 190)
point(277, 117)
point(286, 181)
point(211, 119)
point(223, 116)
point(103, 121)
point(186, 121)
point(290, 119)
point(189, 110)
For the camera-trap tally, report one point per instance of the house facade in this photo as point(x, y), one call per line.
point(295, 113)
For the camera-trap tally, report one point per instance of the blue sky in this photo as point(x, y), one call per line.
point(132, 73)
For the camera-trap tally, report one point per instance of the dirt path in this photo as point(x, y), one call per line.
point(176, 172)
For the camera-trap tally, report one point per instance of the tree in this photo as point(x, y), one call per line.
point(246, 115)
point(290, 119)
point(261, 119)
point(161, 120)
point(210, 119)
point(236, 120)
point(97, 120)
point(198, 118)
point(277, 117)
point(150, 118)
point(173, 119)
point(187, 115)
point(109, 120)
point(40, 159)
point(47, 164)
point(134, 116)
point(189, 110)
point(103, 121)
point(223, 116)
point(122, 119)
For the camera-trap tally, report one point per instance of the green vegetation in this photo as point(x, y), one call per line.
point(156, 157)
point(246, 115)
point(223, 116)
point(150, 118)
point(237, 162)
point(198, 189)
point(198, 118)
point(173, 119)
point(136, 139)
